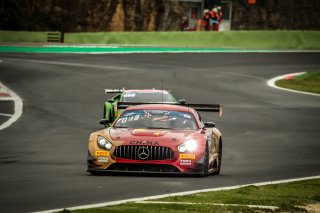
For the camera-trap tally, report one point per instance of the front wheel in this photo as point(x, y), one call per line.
point(104, 112)
point(219, 159)
point(94, 173)
point(90, 164)
point(205, 167)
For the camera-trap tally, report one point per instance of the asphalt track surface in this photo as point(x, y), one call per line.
point(268, 134)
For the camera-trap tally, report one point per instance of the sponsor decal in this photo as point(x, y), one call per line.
point(187, 116)
point(102, 153)
point(148, 143)
point(159, 112)
point(103, 159)
point(128, 119)
point(188, 156)
point(185, 162)
point(129, 95)
point(129, 114)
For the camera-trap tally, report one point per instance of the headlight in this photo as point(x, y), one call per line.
point(188, 146)
point(103, 143)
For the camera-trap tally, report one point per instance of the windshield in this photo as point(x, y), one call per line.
point(144, 97)
point(156, 119)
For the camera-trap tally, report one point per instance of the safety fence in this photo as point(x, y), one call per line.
point(26, 36)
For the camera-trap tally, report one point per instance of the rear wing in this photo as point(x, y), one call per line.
point(108, 91)
point(206, 107)
point(197, 107)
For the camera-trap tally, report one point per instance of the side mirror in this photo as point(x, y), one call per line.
point(209, 124)
point(182, 101)
point(104, 122)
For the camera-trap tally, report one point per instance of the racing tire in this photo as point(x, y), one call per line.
point(205, 168)
point(93, 173)
point(111, 115)
point(104, 112)
point(89, 163)
point(219, 160)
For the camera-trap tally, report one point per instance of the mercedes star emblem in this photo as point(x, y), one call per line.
point(143, 152)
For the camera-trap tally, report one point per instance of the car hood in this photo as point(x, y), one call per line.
point(158, 137)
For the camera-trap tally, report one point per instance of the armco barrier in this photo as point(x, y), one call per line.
point(23, 36)
point(54, 37)
point(34, 37)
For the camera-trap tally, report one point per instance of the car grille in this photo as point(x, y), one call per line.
point(143, 152)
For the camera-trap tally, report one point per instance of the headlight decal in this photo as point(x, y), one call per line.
point(104, 143)
point(188, 146)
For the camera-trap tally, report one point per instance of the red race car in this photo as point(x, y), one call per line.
point(158, 138)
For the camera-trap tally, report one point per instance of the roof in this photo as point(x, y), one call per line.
point(161, 107)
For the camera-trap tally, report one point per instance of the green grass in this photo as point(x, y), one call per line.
point(270, 40)
point(308, 82)
point(289, 197)
point(163, 208)
point(229, 39)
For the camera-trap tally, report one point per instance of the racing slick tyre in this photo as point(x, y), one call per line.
point(94, 173)
point(104, 112)
point(89, 163)
point(111, 115)
point(205, 167)
point(218, 161)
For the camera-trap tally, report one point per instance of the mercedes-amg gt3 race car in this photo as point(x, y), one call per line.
point(157, 138)
point(111, 111)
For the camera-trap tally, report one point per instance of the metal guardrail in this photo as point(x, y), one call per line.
point(54, 37)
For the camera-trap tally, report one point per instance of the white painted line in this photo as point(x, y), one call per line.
point(118, 202)
point(81, 46)
point(72, 64)
point(271, 83)
point(7, 115)
point(80, 51)
point(7, 98)
point(18, 105)
point(190, 51)
point(2, 90)
point(273, 208)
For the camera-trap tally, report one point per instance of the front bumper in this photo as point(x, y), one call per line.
point(151, 167)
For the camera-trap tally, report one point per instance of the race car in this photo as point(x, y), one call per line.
point(111, 111)
point(157, 138)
